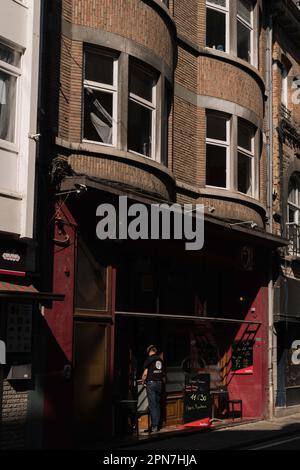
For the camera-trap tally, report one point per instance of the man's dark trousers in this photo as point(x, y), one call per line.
point(154, 389)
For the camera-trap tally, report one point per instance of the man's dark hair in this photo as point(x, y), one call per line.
point(152, 348)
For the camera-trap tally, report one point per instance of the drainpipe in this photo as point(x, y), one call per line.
point(269, 148)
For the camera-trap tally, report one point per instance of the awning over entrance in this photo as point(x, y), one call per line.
point(9, 290)
point(224, 228)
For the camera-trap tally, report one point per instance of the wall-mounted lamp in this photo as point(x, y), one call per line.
point(252, 224)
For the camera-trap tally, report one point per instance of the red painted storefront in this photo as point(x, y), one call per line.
point(61, 318)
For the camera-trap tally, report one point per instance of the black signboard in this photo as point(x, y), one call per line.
point(242, 357)
point(196, 397)
point(12, 257)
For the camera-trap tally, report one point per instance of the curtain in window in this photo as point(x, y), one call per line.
point(100, 118)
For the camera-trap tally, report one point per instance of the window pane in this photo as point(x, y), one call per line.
point(244, 10)
point(141, 83)
point(216, 166)
point(90, 281)
point(99, 68)
point(221, 3)
point(215, 29)
point(243, 42)
point(244, 174)
point(292, 214)
point(10, 56)
point(7, 106)
point(216, 127)
point(245, 135)
point(98, 122)
point(139, 128)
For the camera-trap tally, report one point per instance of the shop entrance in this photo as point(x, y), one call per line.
point(186, 346)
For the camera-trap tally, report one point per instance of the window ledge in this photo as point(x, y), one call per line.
point(225, 56)
point(222, 194)
point(113, 152)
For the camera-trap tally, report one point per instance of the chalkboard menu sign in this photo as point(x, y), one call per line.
point(196, 397)
point(242, 357)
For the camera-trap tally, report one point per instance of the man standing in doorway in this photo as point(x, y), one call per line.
point(153, 377)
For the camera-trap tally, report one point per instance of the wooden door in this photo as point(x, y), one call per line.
point(90, 377)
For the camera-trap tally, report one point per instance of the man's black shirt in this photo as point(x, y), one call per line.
point(155, 367)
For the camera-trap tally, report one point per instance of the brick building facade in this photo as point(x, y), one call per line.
point(162, 102)
point(286, 118)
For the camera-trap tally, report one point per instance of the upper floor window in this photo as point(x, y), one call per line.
point(293, 215)
point(100, 97)
point(245, 30)
point(245, 157)
point(217, 149)
point(285, 69)
point(141, 110)
point(230, 28)
point(10, 62)
point(135, 120)
point(217, 14)
point(230, 164)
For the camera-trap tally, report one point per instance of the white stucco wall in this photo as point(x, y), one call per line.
point(20, 27)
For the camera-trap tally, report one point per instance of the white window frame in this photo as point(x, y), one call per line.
point(295, 205)
point(248, 154)
point(103, 87)
point(220, 143)
point(224, 10)
point(149, 105)
point(284, 86)
point(250, 27)
point(16, 72)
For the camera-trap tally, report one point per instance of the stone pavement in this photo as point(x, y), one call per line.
point(233, 436)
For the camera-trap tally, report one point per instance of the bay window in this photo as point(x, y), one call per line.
point(244, 30)
point(217, 17)
point(126, 104)
point(217, 149)
point(230, 28)
point(230, 162)
point(10, 62)
point(141, 110)
point(245, 157)
point(100, 97)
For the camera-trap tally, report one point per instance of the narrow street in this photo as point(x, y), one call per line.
point(289, 443)
point(278, 434)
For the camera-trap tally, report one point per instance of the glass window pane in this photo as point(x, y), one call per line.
point(244, 10)
point(216, 126)
point(99, 68)
point(9, 55)
point(216, 166)
point(7, 106)
point(215, 29)
point(244, 174)
point(292, 214)
point(90, 281)
point(98, 122)
point(221, 3)
point(245, 135)
point(141, 83)
point(243, 42)
point(139, 128)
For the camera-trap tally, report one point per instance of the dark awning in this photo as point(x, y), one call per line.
point(9, 290)
point(257, 236)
